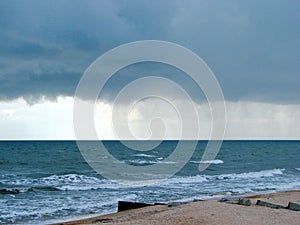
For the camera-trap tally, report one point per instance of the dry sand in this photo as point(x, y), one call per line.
point(207, 212)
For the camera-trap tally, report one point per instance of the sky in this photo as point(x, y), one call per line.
point(253, 48)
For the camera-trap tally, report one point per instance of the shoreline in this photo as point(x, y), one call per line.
point(206, 212)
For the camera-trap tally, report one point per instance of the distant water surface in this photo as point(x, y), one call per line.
point(46, 181)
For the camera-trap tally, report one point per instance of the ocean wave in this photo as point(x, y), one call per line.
point(215, 161)
point(55, 183)
point(19, 190)
point(71, 178)
point(141, 162)
point(12, 191)
point(187, 180)
point(144, 155)
point(76, 182)
point(167, 162)
point(233, 176)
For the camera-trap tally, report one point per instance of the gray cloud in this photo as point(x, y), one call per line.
point(252, 46)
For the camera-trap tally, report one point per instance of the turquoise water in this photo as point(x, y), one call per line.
point(46, 181)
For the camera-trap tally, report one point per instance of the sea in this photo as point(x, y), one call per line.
point(44, 182)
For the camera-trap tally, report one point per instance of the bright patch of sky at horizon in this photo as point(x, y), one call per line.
point(253, 48)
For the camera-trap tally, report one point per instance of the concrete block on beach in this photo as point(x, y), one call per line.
point(239, 201)
point(123, 205)
point(174, 204)
point(244, 201)
point(268, 204)
point(294, 206)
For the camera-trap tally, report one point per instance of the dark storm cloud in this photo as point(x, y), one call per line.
point(33, 87)
point(253, 47)
point(25, 49)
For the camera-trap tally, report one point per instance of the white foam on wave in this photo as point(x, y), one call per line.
point(258, 174)
point(75, 182)
point(53, 180)
point(215, 161)
point(167, 162)
point(144, 155)
point(139, 161)
point(143, 162)
point(297, 168)
point(186, 180)
point(63, 182)
point(70, 178)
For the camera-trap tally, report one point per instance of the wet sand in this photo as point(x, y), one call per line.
point(207, 212)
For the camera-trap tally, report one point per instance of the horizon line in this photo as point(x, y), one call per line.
point(150, 140)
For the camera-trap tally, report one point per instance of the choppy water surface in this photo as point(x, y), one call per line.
point(44, 181)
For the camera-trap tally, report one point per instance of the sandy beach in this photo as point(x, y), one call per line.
point(208, 212)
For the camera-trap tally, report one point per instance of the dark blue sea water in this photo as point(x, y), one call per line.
point(47, 181)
